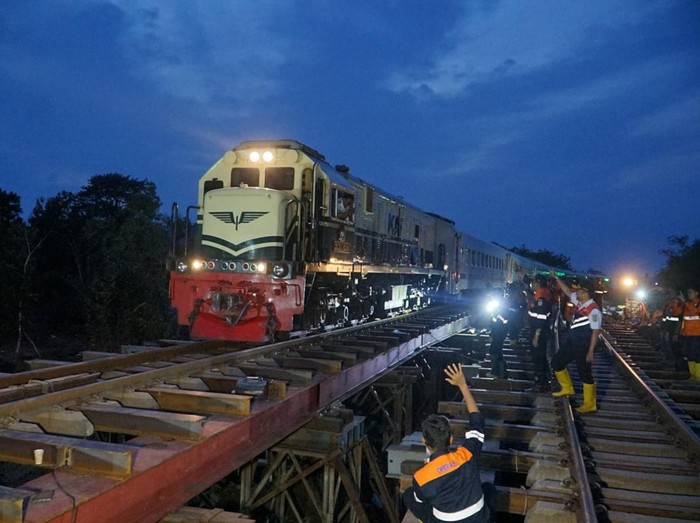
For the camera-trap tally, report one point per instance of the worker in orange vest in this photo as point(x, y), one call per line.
point(690, 330)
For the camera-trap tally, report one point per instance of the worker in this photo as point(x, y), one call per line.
point(448, 487)
point(671, 327)
point(539, 312)
point(599, 292)
point(581, 341)
point(501, 314)
point(690, 330)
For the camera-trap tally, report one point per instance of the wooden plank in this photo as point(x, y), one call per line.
point(12, 503)
point(134, 399)
point(299, 377)
point(344, 346)
point(202, 515)
point(320, 365)
point(89, 355)
point(58, 420)
point(218, 382)
point(347, 358)
point(201, 402)
point(45, 364)
point(121, 420)
point(80, 455)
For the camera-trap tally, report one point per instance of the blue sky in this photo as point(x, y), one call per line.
point(566, 125)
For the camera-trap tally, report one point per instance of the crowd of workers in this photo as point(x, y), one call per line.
point(674, 327)
point(448, 486)
point(542, 304)
point(575, 309)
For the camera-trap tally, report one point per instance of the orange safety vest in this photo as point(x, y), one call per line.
point(691, 319)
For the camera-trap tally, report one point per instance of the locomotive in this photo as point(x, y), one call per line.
point(285, 243)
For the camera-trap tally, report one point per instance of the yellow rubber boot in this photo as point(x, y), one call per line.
point(567, 387)
point(589, 399)
point(696, 374)
point(692, 368)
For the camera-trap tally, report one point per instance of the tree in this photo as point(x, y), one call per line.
point(102, 271)
point(545, 256)
point(682, 268)
point(11, 254)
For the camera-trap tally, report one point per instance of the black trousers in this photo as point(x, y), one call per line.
point(574, 352)
point(499, 331)
point(538, 354)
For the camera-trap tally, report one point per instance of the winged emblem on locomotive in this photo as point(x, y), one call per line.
point(244, 217)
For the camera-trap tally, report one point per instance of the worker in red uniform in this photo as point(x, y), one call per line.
point(539, 312)
point(448, 487)
point(581, 341)
point(690, 330)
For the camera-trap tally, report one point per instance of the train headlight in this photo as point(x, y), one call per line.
point(197, 265)
point(181, 267)
point(261, 267)
point(254, 157)
point(491, 305)
point(641, 294)
point(280, 270)
point(268, 156)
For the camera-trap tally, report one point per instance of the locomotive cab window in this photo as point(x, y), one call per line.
point(211, 185)
point(344, 205)
point(280, 178)
point(245, 176)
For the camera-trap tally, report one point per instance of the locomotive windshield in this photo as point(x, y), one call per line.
point(280, 178)
point(248, 176)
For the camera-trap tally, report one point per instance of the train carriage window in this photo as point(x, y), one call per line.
point(369, 200)
point(416, 232)
point(280, 178)
point(245, 176)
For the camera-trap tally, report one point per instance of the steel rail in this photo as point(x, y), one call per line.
point(586, 511)
point(683, 432)
point(158, 466)
point(147, 376)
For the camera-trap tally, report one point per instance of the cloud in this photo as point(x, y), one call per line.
point(676, 169)
point(206, 52)
point(515, 38)
point(677, 117)
point(500, 128)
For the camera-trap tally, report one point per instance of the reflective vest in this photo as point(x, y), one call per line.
point(540, 308)
point(580, 330)
point(691, 319)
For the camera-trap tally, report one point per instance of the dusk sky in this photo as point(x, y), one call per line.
point(566, 125)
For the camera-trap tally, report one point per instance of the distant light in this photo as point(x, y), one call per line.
point(641, 294)
point(629, 281)
point(268, 156)
point(197, 265)
point(492, 305)
point(254, 156)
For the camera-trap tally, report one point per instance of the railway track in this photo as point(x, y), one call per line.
point(636, 459)
point(169, 426)
point(132, 437)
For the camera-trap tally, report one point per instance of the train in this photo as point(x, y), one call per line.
point(285, 243)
